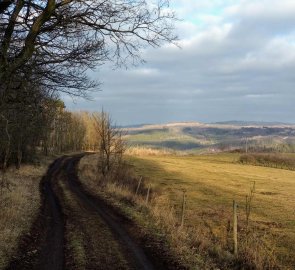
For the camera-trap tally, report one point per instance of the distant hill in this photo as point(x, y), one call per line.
point(252, 123)
point(133, 126)
point(220, 136)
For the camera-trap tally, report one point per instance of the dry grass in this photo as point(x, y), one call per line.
point(212, 182)
point(147, 151)
point(18, 207)
point(157, 219)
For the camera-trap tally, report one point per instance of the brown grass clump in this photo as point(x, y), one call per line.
point(257, 252)
point(121, 175)
point(18, 207)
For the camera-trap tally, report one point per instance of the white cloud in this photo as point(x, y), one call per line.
point(145, 71)
point(237, 61)
point(255, 96)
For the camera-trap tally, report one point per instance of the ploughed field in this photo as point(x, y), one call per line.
point(212, 182)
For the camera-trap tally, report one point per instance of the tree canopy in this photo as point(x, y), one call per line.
point(55, 42)
point(47, 47)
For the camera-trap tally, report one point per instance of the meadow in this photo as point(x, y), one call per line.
point(211, 183)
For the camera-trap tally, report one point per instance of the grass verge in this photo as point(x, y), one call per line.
point(19, 207)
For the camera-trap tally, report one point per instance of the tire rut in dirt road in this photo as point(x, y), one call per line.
point(133, 251)
point(52, 253)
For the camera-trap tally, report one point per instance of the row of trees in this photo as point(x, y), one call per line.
point(51, 129)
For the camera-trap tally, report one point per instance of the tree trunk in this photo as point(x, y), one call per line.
point(19, 156)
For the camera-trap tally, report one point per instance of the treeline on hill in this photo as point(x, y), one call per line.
point(261, 145)
point(46, 127)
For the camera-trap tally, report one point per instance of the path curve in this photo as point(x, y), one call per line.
point(45, 247)
point(109, 217)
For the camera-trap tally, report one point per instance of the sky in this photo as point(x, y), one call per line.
point(236, 62)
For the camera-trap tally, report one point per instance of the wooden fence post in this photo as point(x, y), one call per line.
point(235, 228)
point(138, 186)
point(183, 208)
point(147, 195)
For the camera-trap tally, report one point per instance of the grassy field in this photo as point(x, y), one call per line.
point(213, 181)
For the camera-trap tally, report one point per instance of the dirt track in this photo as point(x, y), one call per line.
point(67, 206)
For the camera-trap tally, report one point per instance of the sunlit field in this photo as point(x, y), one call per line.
point(212, 182)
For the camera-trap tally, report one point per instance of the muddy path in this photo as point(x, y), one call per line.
point(51, 254)
point(75, 230)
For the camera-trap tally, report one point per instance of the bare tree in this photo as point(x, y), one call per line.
point(111, 145)
point(6, 151)
point(90, 142)
point(60, 40)
point(48, 46)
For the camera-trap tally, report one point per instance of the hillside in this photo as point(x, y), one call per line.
point(195, 136)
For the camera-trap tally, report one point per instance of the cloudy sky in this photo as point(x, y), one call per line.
point(236, 62)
